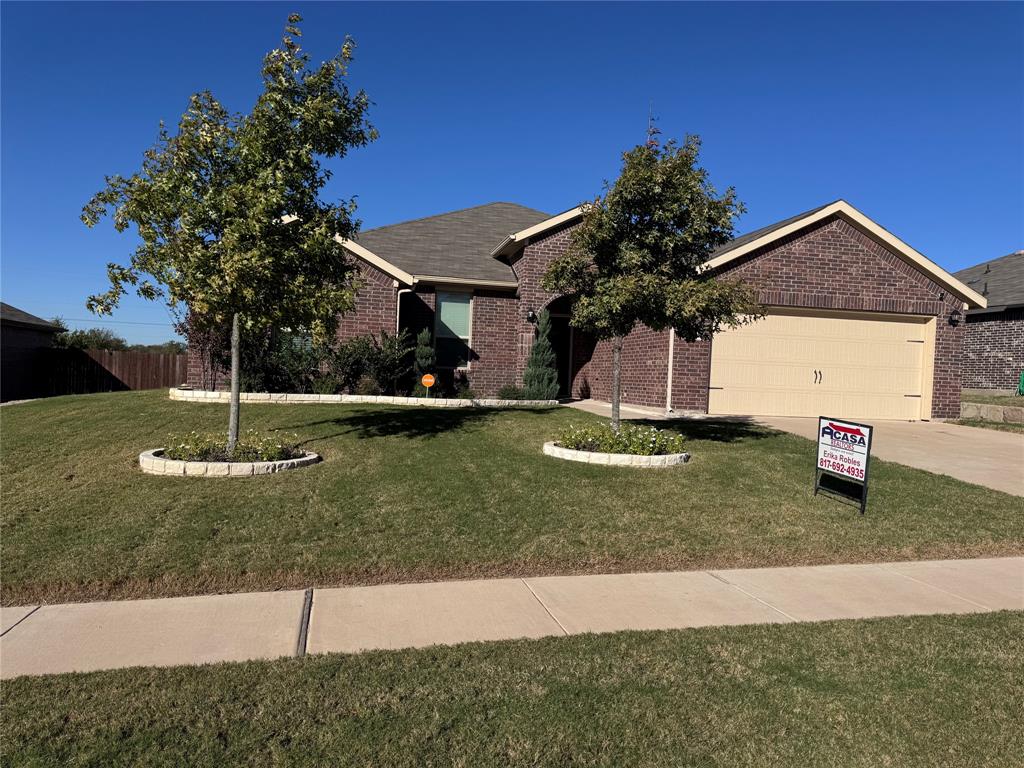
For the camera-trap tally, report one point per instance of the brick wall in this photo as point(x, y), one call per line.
point(835, 266)
point(994, 350)
point(830, 266)
point(376, 304)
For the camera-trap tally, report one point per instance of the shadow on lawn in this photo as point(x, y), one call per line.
point(726, 429)
point(408, 422)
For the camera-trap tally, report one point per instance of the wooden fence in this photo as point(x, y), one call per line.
point(45, 372)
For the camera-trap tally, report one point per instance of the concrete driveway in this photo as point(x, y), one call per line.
point(972, 454)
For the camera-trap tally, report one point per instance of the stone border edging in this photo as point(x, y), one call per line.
point(154, 463)
point(209, 396)
point(1008, 414)
point(615, 459)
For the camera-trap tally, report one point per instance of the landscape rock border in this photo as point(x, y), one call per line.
point(154, 463)
point(210, 396)
point(615, 459)
point(1007, 414)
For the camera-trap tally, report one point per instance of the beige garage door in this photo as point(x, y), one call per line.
point(844, 365)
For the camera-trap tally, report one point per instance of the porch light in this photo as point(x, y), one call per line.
point(531, 316)
point(954, 318)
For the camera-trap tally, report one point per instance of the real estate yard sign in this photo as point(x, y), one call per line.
point(843, 451)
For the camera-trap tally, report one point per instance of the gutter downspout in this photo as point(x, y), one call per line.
point(668, 377)
point(398, 308)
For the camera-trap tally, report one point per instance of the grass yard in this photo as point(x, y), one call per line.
point(928, 691)
point(1002, 426)
point(410, 494)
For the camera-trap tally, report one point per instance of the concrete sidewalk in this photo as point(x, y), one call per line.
point(197, 630)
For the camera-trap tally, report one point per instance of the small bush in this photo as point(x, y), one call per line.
point(252, 446)
point(631, 439)
point(367, 385)
point(511, 392)
point(462, 389)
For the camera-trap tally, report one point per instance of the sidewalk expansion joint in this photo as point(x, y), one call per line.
point(20, 620)
point(307, 609)
point(740, 589)
point(546, 609)
point(885, 567)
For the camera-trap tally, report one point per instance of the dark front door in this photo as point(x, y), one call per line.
point(561, 342)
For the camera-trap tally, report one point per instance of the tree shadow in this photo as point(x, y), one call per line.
point(723, 429)
point(410, 423)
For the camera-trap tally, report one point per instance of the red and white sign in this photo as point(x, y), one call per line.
point(843, 448)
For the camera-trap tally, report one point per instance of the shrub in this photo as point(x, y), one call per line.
point(252, 446)
point(349, 361)
point(424, 360)
point(367, 386)
point(391, 360)
point(540, 379)
point(282, 361)
point(511, 392)
point(462, 389)
point(631, 439)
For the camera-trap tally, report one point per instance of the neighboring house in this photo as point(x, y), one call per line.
point(23, 337)
point(994, 347)
point(859, 324)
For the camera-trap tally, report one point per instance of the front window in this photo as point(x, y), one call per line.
point(453, 320)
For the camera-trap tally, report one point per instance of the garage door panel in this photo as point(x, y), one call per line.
point(869, 368)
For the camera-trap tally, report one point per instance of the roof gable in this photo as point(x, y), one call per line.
point(454, 246)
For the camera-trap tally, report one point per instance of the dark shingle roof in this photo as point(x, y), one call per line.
point(9, 314)
point(751, 236)
point(1001, 281)
point(456, 244)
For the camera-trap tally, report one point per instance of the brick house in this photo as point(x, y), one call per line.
point(859, 324)
point(994, 342)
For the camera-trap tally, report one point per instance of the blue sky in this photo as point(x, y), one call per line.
point(912, 112)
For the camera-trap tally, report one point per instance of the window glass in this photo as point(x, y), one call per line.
point(453, 314)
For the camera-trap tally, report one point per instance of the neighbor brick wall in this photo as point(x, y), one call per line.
point(994, 350)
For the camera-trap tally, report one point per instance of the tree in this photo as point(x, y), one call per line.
point(637, 255)
point(228, 211)
point(87, 338)
point(424, 360)
point(540, 379)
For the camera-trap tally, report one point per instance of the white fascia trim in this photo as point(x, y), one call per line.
point(371, 258)
point(851, 214)
point(442, 280)
point(509, 243)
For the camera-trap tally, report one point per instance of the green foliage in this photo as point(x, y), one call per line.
point(252, 446)
point(349, 362)
point(391, 360)
point(279, 362)
point(511, 392)
point(425, 360)
point(637, 255)
point(630, 438)
point(167, 348)
point(540, 379)
point(228, 211)
point(463, 391)
point(89, 338)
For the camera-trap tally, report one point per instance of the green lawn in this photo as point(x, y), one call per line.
point(929, 691)
point(407, 494)
point(1001, 426)
point(993, 399)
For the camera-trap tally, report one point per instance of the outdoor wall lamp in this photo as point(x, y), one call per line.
point(954, 318)
point(531, 316)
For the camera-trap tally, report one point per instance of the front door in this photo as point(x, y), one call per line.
point(561, 343)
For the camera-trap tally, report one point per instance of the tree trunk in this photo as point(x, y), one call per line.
point(235, 386)
point(616, 380)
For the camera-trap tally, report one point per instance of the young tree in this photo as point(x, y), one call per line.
point(424, 360)
point(228, 209)
point(637, 255)
point(540, 379)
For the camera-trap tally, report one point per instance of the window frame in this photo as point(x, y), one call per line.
point(438, 292)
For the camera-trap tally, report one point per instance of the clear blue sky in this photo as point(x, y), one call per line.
point(912, 112)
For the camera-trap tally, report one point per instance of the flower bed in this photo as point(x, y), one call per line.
point(208, 396)
point(155, 462)
point(632, 446)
